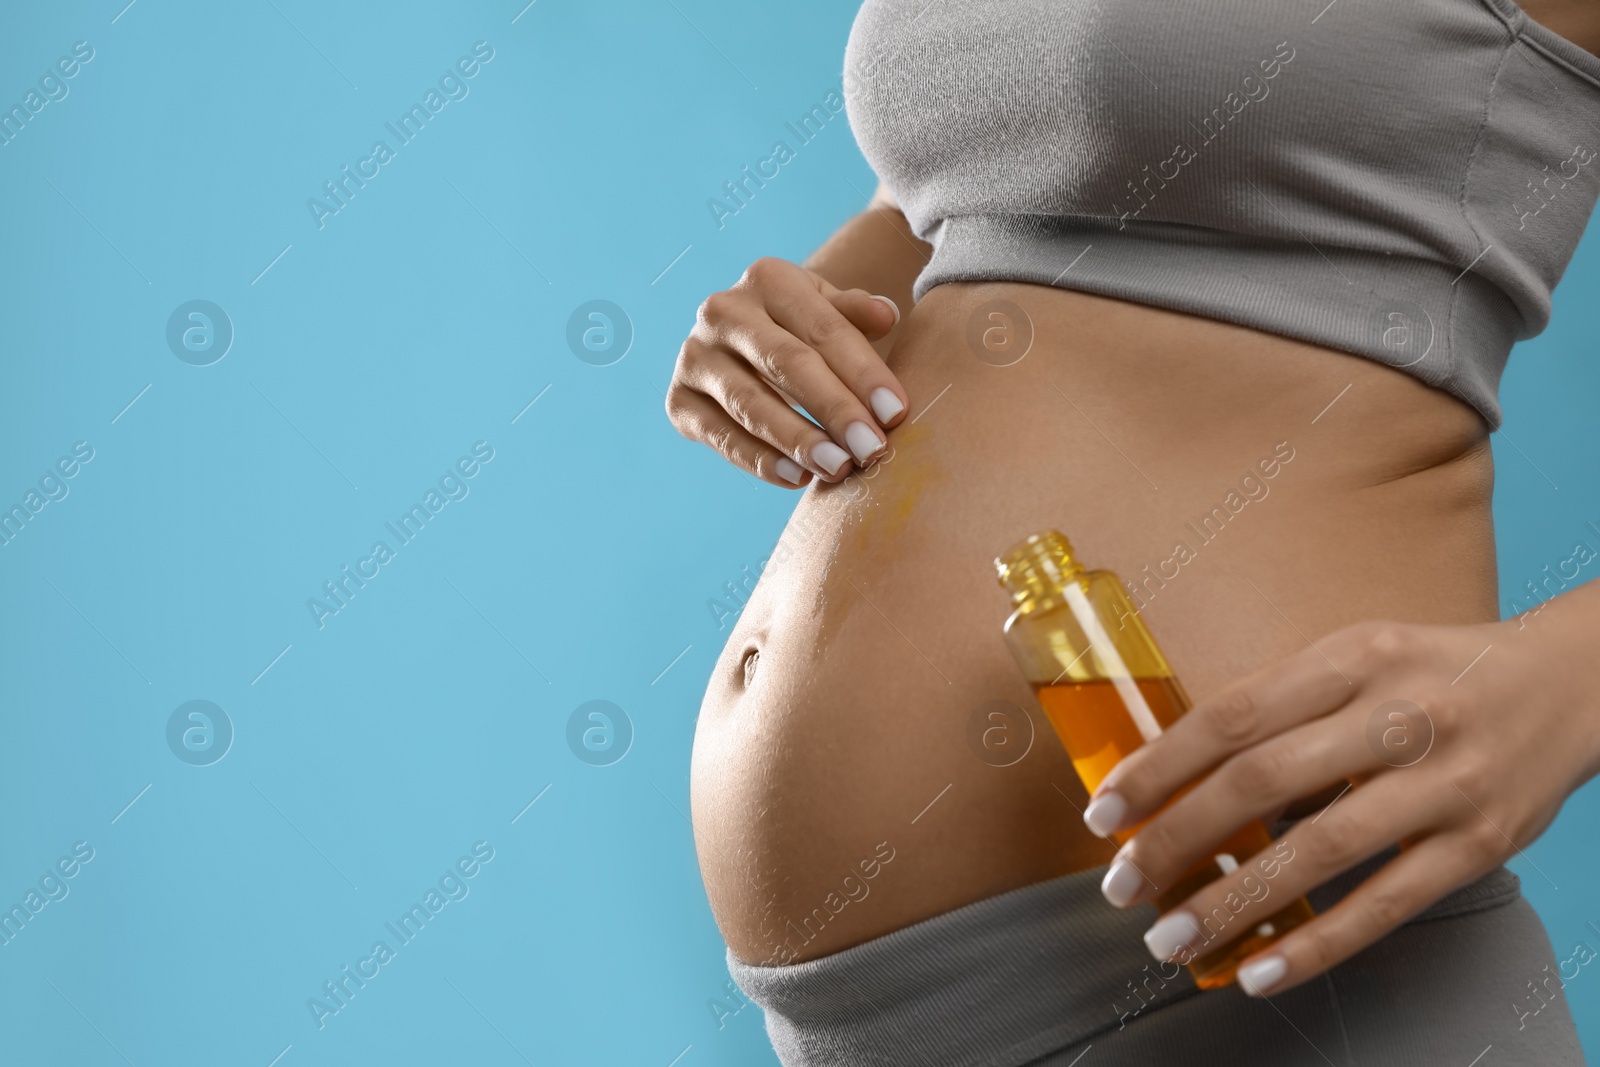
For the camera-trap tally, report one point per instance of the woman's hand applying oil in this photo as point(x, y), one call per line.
point(1462, 743)
point(782, 341)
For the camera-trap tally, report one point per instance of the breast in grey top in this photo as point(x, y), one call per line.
point(1404, 181)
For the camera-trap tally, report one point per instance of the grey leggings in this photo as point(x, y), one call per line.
point(1050, 973)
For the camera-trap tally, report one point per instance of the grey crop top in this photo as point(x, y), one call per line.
point(1404, 180)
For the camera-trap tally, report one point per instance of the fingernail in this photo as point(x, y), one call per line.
point(862, 441)
point(1171, 933)
point(830, 457)
point(1259, 976)
point(1122, 883)
point(789, 470)
point(885, 404)
point(1105, 814)
point(892, 307)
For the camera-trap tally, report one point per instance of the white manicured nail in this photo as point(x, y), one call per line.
point(789, 470)
point(892, 307)
point(1105, 814)
point(1122, 883)
point(885, 404)
point(863, 441)
point(830, 457)
point(1170, 934)
point(1259, 976)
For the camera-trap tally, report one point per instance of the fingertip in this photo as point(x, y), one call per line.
point(791, 472)
point(867, 312)
point(886, 405)
point(892, 307)
point(1106, 814)
point(1262, 975)
point(830, 458)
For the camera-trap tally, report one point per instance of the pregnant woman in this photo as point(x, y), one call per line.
point(1223, 291)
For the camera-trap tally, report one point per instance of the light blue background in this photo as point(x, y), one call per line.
point(372, 354)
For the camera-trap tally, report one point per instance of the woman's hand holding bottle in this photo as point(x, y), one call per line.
point(1463, 742)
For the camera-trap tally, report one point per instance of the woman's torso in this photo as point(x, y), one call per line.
point(876, 625)
point(843, 785)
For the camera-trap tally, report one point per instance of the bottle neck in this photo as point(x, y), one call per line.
point(1037, 571)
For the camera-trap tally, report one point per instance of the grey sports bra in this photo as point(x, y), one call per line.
point(1401, 179)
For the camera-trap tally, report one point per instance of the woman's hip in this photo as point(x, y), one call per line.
point(1040, 974)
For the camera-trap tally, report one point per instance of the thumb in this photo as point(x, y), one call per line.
point(873, 315)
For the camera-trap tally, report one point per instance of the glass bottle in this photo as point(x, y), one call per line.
point(1107, 689)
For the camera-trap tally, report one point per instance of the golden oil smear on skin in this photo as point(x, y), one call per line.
point(876, 507)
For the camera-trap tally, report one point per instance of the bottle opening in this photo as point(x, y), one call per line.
point(1038, 567)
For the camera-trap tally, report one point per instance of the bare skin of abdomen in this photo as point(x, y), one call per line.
point(835, 731)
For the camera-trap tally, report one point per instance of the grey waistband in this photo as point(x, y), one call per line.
point(1249, 281)
point(1003, 981)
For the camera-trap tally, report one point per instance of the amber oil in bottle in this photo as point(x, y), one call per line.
point(1107, 689)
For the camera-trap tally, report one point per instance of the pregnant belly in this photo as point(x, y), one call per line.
point(867, 755)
